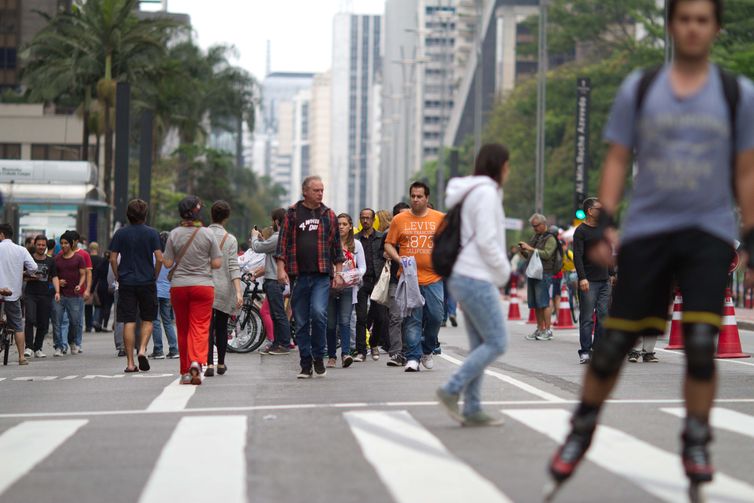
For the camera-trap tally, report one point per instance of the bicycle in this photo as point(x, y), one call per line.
point(246, 330)
point(6, 335)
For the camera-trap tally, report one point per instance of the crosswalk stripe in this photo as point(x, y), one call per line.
point(724, 419)
point(656, 471)
point(406, 457)
point(174, 397)
point(181, 472)
point(27, 444)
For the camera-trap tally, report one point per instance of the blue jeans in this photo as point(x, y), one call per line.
point(424, 340)
point(164, 320)
point(593, 301)
point(280, 324)
point(451, 306)
point(70, 309)
point(310, 297)
point(488, 337)
point(339, 310)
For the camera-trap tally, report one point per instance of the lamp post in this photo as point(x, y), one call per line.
point(539, 185)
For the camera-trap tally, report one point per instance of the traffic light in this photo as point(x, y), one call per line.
point(580, 214)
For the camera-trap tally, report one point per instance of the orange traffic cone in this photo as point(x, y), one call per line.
point(514, 311)
point(676, 326)
point(729, 342)
point(532, 317)
point(564, 321)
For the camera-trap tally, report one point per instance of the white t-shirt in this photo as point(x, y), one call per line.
point(13, 260)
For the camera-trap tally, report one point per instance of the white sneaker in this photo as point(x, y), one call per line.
point(28, 353)
point(39, 354)
point(74, 349)
point(58, 352)
point(412, 366)
point(428, 362)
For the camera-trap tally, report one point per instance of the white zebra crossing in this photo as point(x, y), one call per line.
point(27, 444)
point(413, 464)
point(723, 419)
point(655, 470)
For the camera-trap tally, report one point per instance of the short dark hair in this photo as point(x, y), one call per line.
point(419, 184)
point(400, 207)
point(278, 215)
point(50, 244)
point(673, 5)
point(29, 239)
point(490, 161)
point(220, 211)
point(40, 237)
point(368, 209)
point(136, 212)
point(589, 203)
point(68, 236)
point(6, 230)
point(72, 236)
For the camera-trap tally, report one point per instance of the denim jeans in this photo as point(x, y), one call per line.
point(591, 302)
point(488, 337)
point(70, 309)
point(451, 306)
point(339, 310)
point(281, 326)
point(423, 340)
point(164, 320)
point(310, 297)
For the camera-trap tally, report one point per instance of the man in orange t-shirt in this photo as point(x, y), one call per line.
point(414, 232)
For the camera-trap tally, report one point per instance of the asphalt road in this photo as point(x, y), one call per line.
point(76, 429)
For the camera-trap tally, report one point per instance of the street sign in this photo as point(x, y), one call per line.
point(581, 151)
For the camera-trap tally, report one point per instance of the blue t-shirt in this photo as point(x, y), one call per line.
point(683, 152)
point(136, 245)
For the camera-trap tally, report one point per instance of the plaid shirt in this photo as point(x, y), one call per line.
point(329, 250)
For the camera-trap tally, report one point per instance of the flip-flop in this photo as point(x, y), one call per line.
point(128, 370)
point(143, 362)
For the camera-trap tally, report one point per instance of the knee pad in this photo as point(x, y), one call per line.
point(699, 340)
point(610, 351)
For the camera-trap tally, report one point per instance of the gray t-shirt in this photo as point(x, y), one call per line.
point(683, 155)
point(194, 268)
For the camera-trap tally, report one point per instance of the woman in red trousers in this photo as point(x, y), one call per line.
point(194, 251)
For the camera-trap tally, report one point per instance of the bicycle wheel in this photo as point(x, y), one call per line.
point(6, 347)
point(245, 332)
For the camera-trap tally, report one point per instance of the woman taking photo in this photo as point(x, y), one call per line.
point(481, 269)
point(342, 300)
point(193, 252)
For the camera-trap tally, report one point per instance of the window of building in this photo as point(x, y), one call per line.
point(45, 152)
point(10, 151)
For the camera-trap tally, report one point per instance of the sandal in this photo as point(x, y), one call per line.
point(129, 371)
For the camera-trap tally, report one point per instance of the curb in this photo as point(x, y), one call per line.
point(746, 325)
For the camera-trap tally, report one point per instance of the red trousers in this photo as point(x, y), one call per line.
point(193, 313)
point(264, 312)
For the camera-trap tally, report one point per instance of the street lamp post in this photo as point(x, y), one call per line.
point(539, 185)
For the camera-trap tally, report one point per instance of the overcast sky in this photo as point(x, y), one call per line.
point(300, 30)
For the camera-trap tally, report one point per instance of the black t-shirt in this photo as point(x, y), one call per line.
point(46, 270)
point(307, 230)
point(584, 238)
point(136, 245)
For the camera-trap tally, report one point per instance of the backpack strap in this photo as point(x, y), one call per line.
point(646, 81)
point(732, 92)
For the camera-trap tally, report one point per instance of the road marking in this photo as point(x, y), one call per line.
point(515, 382)
point(726, 360)
point(656, 471)
point(181, 471)
point(173, 398)
point(27, 444)
point(35, 378)
point(404, 453)
point(724, 419)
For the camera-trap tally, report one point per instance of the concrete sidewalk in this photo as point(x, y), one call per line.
point(745, 318)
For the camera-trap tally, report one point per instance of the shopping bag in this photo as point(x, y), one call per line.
point(380, 294)
point(534, 270)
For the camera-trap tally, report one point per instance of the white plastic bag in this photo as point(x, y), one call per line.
point(534, 270)
point(380, 293)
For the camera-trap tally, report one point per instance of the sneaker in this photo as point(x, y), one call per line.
point(186, 379)
point(265, 349)
point(39, 354)
point(171, 355)
point(481, 418)
point(28, 353)
point(453, 321)
point(306, 373)
point(65, 350)
point(633, 356)
point(195, 371)
point(534, 336)
point(157, 355)
point(437, 350)
point(545, 336)
point(375, 354)
point(396, 361)
point(59, 352)
point(319, 367)
point(331, 363)
point(428, 362)
point(649, 358)
point(278, 350)
point(209, 371)
point(121, 353)
point(412, 366)
point(450, 402)
point(74, 349)
point(584, 358)
point(360, 357)
point(347, 361)
point(221, 369)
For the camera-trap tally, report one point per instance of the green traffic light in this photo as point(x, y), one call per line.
point(580, 214)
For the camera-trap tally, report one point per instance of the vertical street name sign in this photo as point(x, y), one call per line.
point(581, 154)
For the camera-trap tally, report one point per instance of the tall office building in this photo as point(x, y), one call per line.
point(301, 151)
point(321, 130)
point(357, 66)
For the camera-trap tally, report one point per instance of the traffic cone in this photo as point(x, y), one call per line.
point(514, 311)
point(532, 317)
point(676, 325)
point(564, 322)
point(729, 342)
point(749, 298)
